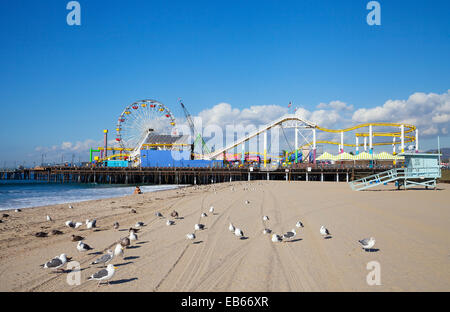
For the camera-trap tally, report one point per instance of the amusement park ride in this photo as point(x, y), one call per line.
point(150, 125)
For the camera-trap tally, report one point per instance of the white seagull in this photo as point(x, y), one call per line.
point(324, 231)
point(267, 231)
point(83, 247)
point(170, 222)
point(78, 224)
point(211, 209)
point(231, 227)
point(133, 236)
point(70, 206)
point(105, 258)
point(139, 224)
point(276, 238)
point(289, 235)
point(70, 223)
point(199, 227)
point(238, 232)
point(266, 218)
point(203, 215)
point(299, 224)
point(49, 218)
point(91, 224)
point(118, 251)
point(103, 275)
point(57, 262)
point(367, 243)
point(158, 214)
point(190, 236)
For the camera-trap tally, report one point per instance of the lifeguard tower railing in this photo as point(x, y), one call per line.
point(420, 170)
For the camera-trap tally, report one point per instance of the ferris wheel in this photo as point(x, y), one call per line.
point(140, 117)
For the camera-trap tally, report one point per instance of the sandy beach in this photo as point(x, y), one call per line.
point(412, 231)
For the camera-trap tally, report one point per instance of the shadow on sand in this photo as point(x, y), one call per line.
point(122, 281)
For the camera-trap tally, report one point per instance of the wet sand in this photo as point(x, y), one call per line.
point(412, 231)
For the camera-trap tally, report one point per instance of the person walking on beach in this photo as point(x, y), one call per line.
point(137, 190)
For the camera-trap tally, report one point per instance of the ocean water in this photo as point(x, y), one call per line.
point(24, 194)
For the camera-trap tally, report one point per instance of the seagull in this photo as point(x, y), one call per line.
point(105, 258)
point(76, 238)
point(367, 243)
point(18, 210)
point(198, 227)
point(103, 275)
point(174, 214)
point(203, 215)
point(118, 251)
point(190, 236)
point(276, 238)
point(290, 234)
point(41, 234)
point(133, 236)
point(247, 202)
point(83, 247)
point(139, 224)
point(133, 211)
point(299, 224)
point(266, 218)
point(56, 263)
point(324, 231)
point(211, 209)
point(125, 242)
point(133, 230)
point(238, 232)
point(91, 224)
point(70, 206)
point(78, 224)
point(56, 232)
point(267, 231)
point(170, 222)
point(70, 224)
point(231, 227)
point(158, 214)
point(49, 218)
point(116, 225)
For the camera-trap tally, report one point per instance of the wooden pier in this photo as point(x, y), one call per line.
point(194, 176)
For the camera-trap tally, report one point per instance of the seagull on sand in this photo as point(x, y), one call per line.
point(158, 214)
point(266, 218)
point(105, 258)
point(49, 218)
point(203, 215)
point(70, 207)
point(367, 243)
point(133, 230)
point(103, 275)
point(247, 202)
point(190, 236)
point(91, 224)
point(231, 227)
point(324, 231)
point(83, 247)
point(174, 214)
point(267, 231)
point(276, 238)
point(56, 232)
point(199, 227)
point(77, 225)
point(118, 251)
point(76, 238)
point(41, 234)
point(211, 209)
point(116, 225)
point(139, 224)
point(133, 236)
point(70, 224)
point(238, 232)
point(170, 222)
point(289, 235)
point(299, 224)
point(57, 262)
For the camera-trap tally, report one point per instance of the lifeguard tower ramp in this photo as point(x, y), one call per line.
point(420, 169)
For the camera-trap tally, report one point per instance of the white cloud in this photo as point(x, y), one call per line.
point(429, 112)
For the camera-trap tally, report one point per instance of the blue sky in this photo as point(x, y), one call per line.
point(63, 83)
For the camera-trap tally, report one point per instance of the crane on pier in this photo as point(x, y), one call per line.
point(198, 139)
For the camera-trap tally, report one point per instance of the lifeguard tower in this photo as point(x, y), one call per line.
point(419, 169)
